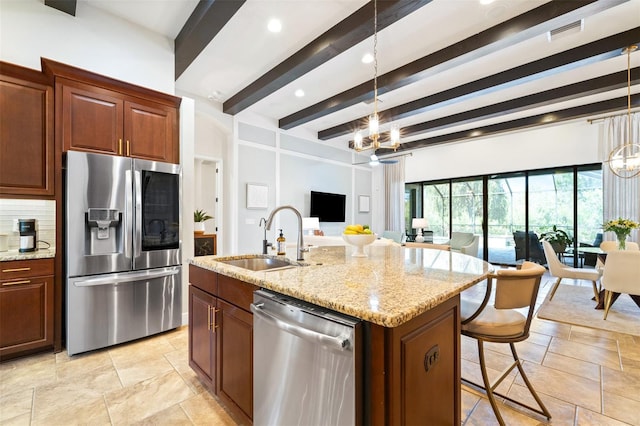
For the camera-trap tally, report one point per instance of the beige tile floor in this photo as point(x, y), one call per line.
point(585, 376)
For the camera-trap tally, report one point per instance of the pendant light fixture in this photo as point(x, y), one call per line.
point(375, 138)
point(624, 161)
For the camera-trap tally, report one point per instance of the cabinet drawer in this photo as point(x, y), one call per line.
point(15, 269)
point(235, 291)
point(203, 279)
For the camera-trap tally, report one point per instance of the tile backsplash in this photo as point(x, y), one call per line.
point(44, 211)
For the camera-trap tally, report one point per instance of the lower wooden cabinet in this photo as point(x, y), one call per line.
point(26, 306)
point(235, 355)
point(221, 338)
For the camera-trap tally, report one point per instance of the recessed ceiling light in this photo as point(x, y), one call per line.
point(367, 58)
point(274, 25)
point(299, 93)
point(485, 2)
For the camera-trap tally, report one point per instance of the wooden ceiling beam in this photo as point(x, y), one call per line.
point(347, 33)
point(205, 22)
point(569, 92)
point(583, 111)
point(533, 23)
point(66, 6)
point(589, 53)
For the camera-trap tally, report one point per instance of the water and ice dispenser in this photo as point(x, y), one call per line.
point(103, 231)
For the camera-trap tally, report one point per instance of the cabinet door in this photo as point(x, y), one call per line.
point(91, 119)
point(202, 344)
point(26, 315)
point(151, 132)
point(425, 368)
point(26, 133)
point(235, 357)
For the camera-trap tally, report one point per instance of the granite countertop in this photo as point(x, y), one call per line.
point(38, 254)
point(389, 287)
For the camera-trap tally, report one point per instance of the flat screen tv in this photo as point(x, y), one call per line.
point(327, 207)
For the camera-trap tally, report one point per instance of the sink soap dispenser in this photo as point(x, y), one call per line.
point(280, 244)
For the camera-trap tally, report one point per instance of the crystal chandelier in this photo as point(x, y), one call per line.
point(375, 138)
point(624, 161)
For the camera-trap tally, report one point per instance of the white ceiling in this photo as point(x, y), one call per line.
point(244, 50)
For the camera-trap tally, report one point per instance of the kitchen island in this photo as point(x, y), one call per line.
point(408, 299)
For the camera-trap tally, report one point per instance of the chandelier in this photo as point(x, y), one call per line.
point(376, 140)
point(624, 161)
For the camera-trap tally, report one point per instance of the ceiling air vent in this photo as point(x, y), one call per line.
point(565, 30)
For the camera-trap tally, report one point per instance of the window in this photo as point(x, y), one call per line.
point(519, 204)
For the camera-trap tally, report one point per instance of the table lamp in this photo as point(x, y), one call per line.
point(419, 223)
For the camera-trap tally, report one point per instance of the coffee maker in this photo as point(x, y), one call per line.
point(27, 230)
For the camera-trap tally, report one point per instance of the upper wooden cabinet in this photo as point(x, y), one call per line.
point(26, 133)
point(98, 114)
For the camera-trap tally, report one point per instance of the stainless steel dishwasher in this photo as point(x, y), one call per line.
point(304, 363)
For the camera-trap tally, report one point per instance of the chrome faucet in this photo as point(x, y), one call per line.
point(265, 243)
point(300, 247)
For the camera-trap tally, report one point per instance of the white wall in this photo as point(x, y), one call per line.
point(92, 40)
point(558, 145)
point(290, 167)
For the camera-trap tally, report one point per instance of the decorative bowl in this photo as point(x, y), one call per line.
point(359, 241)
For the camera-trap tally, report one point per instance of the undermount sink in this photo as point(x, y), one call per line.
point(258, 263)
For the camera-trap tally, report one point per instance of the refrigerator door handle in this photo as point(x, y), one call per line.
point(128, 277)
point(127, 215)
point(137, 233)
point(340, 343)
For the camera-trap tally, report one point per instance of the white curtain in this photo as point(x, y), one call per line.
point(394, 196)
point(621, 196)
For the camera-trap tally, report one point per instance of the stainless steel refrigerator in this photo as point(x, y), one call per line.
point(122, 249)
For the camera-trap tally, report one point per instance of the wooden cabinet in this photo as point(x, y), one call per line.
point(414, 369)
point(99, 120)
point(26, 133)
point(26, 306)
point(98, 114)
point(221, 338)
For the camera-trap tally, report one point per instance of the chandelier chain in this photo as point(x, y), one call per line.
point(375, 57)
point(629, 50)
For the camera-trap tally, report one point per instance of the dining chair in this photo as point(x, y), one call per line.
point(504, 322)
point(608, 246)
point(560, 271)
point(620, 275)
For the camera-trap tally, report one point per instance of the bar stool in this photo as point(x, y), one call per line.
point(502, 323)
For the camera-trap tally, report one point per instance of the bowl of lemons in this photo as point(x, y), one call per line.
point(358, 236)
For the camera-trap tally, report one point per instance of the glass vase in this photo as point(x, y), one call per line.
point(622, 238)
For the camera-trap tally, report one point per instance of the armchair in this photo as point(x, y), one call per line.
point(536, 253)
point(464, 242)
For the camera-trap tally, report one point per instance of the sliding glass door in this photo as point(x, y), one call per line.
point(505, 216)
point(518, 209)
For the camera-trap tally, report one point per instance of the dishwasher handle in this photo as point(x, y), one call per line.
point(340, 343)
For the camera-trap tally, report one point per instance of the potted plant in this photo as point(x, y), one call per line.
point(558, 239)
point(199, 217)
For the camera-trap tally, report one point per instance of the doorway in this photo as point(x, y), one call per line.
point(208, 194)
